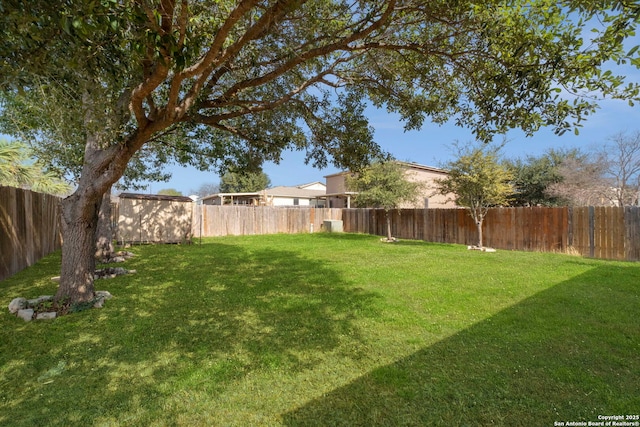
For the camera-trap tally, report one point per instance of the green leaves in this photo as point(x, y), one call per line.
point(257, 80)
point(244, 182)
point(384, 184)
point(17, 169)
point(478, 180)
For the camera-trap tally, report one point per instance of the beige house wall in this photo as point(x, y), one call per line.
point(429, 198)
point(336, 183)
point(338, 193)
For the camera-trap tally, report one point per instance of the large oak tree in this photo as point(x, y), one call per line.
point(240, 81)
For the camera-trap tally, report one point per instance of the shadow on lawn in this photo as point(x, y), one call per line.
point(569, 353)
point(192, 318)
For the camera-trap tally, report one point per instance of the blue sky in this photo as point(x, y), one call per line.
point(431, 145)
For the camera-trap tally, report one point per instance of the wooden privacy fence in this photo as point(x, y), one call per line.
point(599, 232)
point(210, 220)
point(29, 228)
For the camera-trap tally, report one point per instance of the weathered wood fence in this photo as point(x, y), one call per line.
point(598, 232)
point(29, 228)
point(244, 220)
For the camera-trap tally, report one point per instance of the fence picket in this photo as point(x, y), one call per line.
point(30, 226)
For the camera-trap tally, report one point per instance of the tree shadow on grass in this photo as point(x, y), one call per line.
point(192, 318)
point(569, 353)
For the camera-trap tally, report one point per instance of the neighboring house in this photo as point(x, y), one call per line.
point(309, 195)
point(339, 197)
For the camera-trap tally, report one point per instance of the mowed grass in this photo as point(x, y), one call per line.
point(328, 330)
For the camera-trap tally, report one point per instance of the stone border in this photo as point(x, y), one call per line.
point(24, 308)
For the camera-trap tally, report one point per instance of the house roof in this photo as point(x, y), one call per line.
point(154, 197)
point(410, 165)
point(310, 184)
point(423, 167)
point(279, 191)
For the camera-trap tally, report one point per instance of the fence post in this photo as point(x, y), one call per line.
point(570, 227)
point(592, 232)
point(632, 233)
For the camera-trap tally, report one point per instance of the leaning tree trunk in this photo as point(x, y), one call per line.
point(79, 224)
point(104, 232)
point(103, 165)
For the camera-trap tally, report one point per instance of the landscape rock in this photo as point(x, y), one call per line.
point(387, 240)
point(480, 248)
point(48, 315)
point(101, 297)
point(17, 304)
point(26, 314)
point(104, 294)
point(120, 256)
point(26, 308)
point(110, 272)
point(39, 300)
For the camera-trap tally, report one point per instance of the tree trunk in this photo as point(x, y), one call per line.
point(479, 228)
point(103, 165)
point(104, 233)
point(388, 217)
point(79, 224)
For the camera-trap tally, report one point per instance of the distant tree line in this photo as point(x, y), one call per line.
point(608, 174)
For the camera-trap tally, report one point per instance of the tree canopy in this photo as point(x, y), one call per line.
point(534, 176)
point(237, 181)
point(235, 82)
point(607, 173)
point(583, 182)
point(383, 184)
point(206, 189)
point(479, 181)
point(620, 158)
point(386, 185)
point(170, 192)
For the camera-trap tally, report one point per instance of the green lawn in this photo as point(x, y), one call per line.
point(326, 330)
